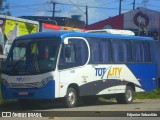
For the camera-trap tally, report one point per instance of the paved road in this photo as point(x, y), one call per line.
point(100, 109)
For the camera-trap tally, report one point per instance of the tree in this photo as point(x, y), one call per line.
point(4, 7)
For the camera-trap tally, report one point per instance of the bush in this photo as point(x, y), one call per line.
point(148, 95)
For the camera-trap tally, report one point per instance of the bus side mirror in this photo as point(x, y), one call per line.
point(66, 41)
point(67, 52)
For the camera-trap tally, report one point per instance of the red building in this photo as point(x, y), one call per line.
point(142, 21)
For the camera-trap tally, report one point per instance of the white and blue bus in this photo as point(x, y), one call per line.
point(72, 65)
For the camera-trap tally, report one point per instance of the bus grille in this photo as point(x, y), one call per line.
point(25, 85)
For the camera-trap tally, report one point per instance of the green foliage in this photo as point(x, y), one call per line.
point(143, 95)
point(148, 95)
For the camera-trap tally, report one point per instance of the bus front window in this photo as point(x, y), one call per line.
point(32, 56)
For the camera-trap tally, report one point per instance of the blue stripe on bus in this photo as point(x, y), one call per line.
point(142, 72)
point(47, 92)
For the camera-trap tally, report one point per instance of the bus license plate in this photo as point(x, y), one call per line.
point(23, 93)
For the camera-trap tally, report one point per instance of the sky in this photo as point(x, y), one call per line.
point(97, 9)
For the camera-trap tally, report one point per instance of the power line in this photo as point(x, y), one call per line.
point(44, 4)
point(38, 7)
point(70, 12)
point(29, 5)
point(77, 6)
point(109, 8)
point(54, 7)
point(108, 3)
point(86, 13)
point(98, 7)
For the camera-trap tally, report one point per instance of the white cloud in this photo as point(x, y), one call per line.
point(40, 13)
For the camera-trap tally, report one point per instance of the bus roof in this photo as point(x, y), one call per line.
point(63, 34)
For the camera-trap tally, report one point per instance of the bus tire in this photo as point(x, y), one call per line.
point(71, 98)
point(127, 97)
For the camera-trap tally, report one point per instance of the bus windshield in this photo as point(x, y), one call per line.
point(32, 56)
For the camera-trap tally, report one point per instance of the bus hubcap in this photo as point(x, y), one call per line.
point(71, 98)
point(129, 95)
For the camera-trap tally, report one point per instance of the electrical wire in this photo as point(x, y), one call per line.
point(77, 7)
point(44, 6)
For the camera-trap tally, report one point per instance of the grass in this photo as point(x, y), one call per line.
point(142, 95)
point(148, 95)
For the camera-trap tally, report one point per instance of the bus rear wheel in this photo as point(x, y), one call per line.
point(127, 97)
point(71, 98)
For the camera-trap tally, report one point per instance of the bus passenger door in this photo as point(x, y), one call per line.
point(73, 56)
point(66, 72)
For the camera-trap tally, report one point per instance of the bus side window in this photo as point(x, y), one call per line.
point(147, 52)
point(67, 56)
point(121, 51)
point(141, 52)
point(73, 54)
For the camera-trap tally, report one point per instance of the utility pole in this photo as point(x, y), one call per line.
point(134, 2)
point(86, 17)
point(54, 5)
point(120, 1)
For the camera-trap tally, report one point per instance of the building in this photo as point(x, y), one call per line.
point(142, 21)
point(59, 21)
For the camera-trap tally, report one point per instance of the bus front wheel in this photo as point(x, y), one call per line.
point(71, 98)
point(127, 97)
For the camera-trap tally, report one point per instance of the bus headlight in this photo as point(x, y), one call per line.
point(45, 81)
point(5, 83)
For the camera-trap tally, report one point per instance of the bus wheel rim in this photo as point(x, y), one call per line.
point(71, 98)
point(129, 95)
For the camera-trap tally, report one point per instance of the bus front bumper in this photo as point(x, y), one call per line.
point(47, 92)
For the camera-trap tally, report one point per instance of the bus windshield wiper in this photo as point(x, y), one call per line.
point(36, 63)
